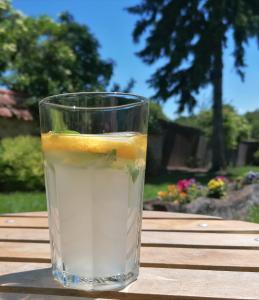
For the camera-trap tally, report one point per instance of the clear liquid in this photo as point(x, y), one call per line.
point(95, 210)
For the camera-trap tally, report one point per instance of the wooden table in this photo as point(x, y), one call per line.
point(182, 257)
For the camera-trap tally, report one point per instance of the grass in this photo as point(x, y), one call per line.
point(22, 201)
point(240, 171)
point(35, 201)
point(157, 184)
point(254, 215)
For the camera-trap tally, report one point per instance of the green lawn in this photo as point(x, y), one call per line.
point(22, 201)
point(35, 201)
point(240, 171)
point(254, 215)
point(160, 183)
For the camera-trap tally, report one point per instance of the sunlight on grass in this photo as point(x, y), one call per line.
point(241, 171)
point(22, 201)
point(254, 215)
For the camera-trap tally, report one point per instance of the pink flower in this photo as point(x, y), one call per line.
point(223, 178)
point(184, 184)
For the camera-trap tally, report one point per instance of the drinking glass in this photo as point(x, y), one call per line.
point(94, 147)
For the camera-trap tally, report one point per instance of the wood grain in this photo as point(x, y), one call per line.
point(180, 259)
point(184, 258)
point(153, 283)
point(202, 259)
point(25, 222)
point(212, 226)
point(24, 235)
point(146, 215)
point(198, 240)
point(171, 215)
point(153, 239)
point(12, 296)
point(34, 214)
point(174, 225)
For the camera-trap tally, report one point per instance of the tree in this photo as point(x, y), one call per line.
point(191, 35)
point(116, 87)
point(253, 119)
point(235, 126)
point(40, 56)
point(156, 115)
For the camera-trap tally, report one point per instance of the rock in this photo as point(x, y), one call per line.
point(235, 206)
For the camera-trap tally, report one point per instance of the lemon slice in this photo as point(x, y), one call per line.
point(127, 145)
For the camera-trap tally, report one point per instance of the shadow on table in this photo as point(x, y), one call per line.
point(37, 284)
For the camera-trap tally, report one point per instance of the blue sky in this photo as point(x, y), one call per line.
point(112, 26)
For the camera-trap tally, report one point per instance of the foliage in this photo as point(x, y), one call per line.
point(190, 36)
point(116, 87)
point(155, 116)
point(256, 157)
point(235, 172)
point(187, 190)
point(22, 202)
point(235, 126)
point(185, 33)
point(217, 187)
point(40, 56)
point(21, 163)
point(253, 119)
point(254, 214)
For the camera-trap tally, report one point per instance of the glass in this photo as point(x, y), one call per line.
point(94, 147)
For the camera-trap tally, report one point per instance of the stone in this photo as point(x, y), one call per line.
point(234, 206)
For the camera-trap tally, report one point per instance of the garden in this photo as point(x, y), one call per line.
point(234, 195)
point(231, 194)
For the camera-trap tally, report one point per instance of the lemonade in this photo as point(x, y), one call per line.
point(94, 188)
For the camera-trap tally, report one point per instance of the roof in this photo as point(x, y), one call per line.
point(11, 106)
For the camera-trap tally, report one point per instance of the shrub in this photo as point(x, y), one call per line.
point(155, 116)
point(256, 157)
point(21, 164)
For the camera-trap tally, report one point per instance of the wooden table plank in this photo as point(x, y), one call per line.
point(198, 240)
point(25, 235)
point(150, 220)
point(202, 259)
point(154, 239)
point(212, 226)
point(34, 214)
point(184, 258)
point(146, 215)
point(178, 261)
point(171, 215)
point(180, 225)
point(25, 222)
point(12, 296)
point(153, 283)
point(27, 252)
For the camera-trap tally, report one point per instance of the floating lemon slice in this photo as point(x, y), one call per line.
point(127, 145)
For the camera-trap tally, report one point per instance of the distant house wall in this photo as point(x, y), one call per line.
point(176, 147)
point(245, 152)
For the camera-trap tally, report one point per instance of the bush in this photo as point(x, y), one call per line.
point(21, 163)
point(156, 115)
point(256, 157)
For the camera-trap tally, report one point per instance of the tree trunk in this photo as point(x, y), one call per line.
point(218, 148)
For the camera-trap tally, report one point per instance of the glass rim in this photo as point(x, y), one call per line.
point(138, 101)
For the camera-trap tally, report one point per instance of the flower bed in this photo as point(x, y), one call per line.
point(220, 197)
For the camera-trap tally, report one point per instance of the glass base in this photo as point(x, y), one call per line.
point(116, 282)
